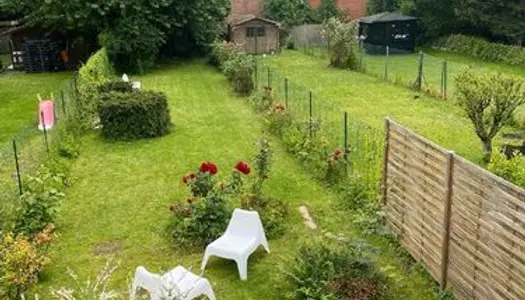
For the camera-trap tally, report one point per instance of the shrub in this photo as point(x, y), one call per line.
point(304, 140)
point(336, 167)
point(512, 169)
point(116, 86)
point(489, 100)
point(129, 116)
point(40, 201)
point(330, 270)
point(94, 74)
point(342, 44)
point(204, 215)
point(223, 51)
point(273, 212)
point(239, 70)
point(478, 47)
point(278, 119)
point(21, 262)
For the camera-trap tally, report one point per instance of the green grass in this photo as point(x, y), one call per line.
point(18, 99)
point(121, 193)
point(476, 62)
point(371, 100)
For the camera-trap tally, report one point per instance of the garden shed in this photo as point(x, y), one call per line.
point(258, 35)
point(389, 29)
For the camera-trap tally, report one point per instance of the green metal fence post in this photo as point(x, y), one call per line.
point(286, 92)
point(46, 142)
point(386, 62)
point(18, 176)
point(445, 79)
point(311, 114)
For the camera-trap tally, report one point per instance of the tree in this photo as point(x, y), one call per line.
point(380, 6)
point(290, 12)
point(489, 101)
point(133, 31)
point(328, 9)
point(342, 44)
point(437, 17)
point(502, 17)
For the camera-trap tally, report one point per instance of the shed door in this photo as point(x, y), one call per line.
point(256, 39)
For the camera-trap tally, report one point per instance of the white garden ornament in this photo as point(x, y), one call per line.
point(177, 284)
point(245, 233)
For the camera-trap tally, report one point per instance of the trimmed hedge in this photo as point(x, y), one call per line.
point(116, 86)
point(237, 65)
point(136, 115)
point(93, 75)
point(478, 47)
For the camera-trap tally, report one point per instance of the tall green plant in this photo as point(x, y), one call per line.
point(94, 74)
point(489, 100)
point(342, 44)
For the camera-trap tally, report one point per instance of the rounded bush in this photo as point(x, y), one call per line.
point(129, 116)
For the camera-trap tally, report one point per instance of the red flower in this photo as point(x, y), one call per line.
point(212, 168)
point(192, 175)
point(208, 167)
point(187, 212)
point(243, 167)
point(204, 167)
point(185, 179)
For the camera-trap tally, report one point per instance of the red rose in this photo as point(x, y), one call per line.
point(192, 175)
point(338, 152)
point(185, 179)
point(212, 168)
point(204, 167)
point(187, 212)
point(243, 167)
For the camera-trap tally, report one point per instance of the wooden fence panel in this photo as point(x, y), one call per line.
point(466, 225)
point(487, 240)
point(416, 189)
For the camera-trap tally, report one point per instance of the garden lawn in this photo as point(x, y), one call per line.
point(18, 99)
point(121, 192)
point(370, 99)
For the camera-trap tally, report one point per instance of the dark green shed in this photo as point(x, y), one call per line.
point(389, 29)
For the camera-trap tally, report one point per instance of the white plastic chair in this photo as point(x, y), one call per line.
point(177, 284)
point(245, 233)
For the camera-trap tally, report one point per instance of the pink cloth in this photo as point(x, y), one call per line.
point(48, 112)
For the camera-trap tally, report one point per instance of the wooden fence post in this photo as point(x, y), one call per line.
point(449, 177)
point(385, 162)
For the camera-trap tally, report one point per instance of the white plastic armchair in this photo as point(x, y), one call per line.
point(245, 233)
point(177, 284)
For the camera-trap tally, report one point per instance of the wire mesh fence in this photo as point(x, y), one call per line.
point(29, 148)
point(420, 71)
point(363, 144)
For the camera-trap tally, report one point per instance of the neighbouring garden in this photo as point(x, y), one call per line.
point(19, 102)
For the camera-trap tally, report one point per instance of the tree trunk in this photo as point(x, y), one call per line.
point(487, 150)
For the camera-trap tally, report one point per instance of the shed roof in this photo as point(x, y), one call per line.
point(255, 18)
point(386, 17)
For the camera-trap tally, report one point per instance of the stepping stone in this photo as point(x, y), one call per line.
point(308, 221)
